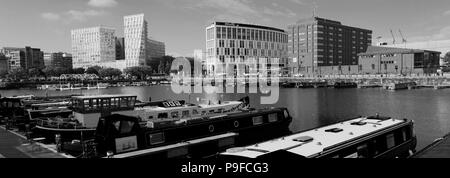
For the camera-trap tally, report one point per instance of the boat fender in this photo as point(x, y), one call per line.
point(211, 128)
point(236, 124)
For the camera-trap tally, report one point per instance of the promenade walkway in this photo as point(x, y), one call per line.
point(13, 145)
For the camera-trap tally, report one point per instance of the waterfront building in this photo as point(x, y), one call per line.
point(93, 46)
point(320, 46)
point(136, 33)
point(4, 67)
point(58, 60)
point(388, 60)
point(236, 44)
point(120, 48)
point(26, 58)
point(155, 49)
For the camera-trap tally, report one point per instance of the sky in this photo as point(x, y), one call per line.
point(46, 24)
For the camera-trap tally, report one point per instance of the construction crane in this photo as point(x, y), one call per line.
point(393, 37)
point(403, 38)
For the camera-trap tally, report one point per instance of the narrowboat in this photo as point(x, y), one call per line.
point(362, 137)
point(80, 121)
point(126, 136)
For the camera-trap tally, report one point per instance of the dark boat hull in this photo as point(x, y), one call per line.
point(67, 135)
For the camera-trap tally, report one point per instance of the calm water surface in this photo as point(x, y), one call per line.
point(429, 108)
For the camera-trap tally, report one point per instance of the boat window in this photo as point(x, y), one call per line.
point(258, 120)
point(174, 115)
point(363, 151)
point(203, 112)
point(273, 117)
point(117, 125)
point(194, 112)
point(399, 138)
point(380, 145)
point(185, 114)
point(286, 113)
point(211, 111)
point(390, 141)
point(220, 110)
point(163, 116)
point(408, 133)
point(126, 127)
point(156, 138)
point(349, 153)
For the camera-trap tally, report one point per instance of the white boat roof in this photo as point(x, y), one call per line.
point(200, 106)
point(321, 138)
point(102, 96)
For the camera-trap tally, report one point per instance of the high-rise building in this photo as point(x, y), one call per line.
point(320, 46)
point(135, 40)
point(234, 43)
point(58, 60)
point(26, 58)
point(120, 48)
point(4, 66)
point(155, 49)
point(93, 47)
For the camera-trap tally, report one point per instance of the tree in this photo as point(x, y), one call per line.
point(18, 73)
point(141, 72)
point(34, 72)
point(110, 72)
point(78, 71)
point(93, 70)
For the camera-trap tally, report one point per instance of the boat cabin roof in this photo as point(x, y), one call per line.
point(189, 106)
point(313, 142)
point(102, 96)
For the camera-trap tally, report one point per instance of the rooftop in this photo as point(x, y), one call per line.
point(248, 25)
point(374, 50)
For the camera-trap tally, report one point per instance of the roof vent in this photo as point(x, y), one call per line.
point(304, 139)
point(334, 130)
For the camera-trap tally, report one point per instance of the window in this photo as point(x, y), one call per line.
point(156, 138)
point(185, 114)
point(174, 115)
point(163, 116)
point(363, 151)
point(126, 127)
point(258, 120)
point(273, 117)
point(390, 141)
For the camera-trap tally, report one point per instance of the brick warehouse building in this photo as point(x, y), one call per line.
point(320, 46)
point(387, 60)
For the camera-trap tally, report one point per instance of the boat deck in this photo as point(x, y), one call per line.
point(439, 149)
point(13, 145)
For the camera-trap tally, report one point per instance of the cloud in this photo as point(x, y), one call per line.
point(446, 13)
point(444, 33)
point(300, 2)
point(102, 3)
point(236, 7)
point(50, 16)
point(83, 15)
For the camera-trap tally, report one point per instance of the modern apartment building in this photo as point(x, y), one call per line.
point(93, 46)
point(120, 48)
point(26, 58)
point(320, 46)
point(234, 43)
point(155, 49)
point(4, 64)
point(58, 60)
point(136, 34)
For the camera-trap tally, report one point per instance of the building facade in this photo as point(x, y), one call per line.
point(136, 34)
point(4, 64)
point(26, 58)
point(58, 60)
point(93, 46)
point(388, 60)
point(120, 48)
point(236, 44)
point(155, 49)
point(320, 46)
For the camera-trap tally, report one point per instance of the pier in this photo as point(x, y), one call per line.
point(438, 149)
point(14, 145)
